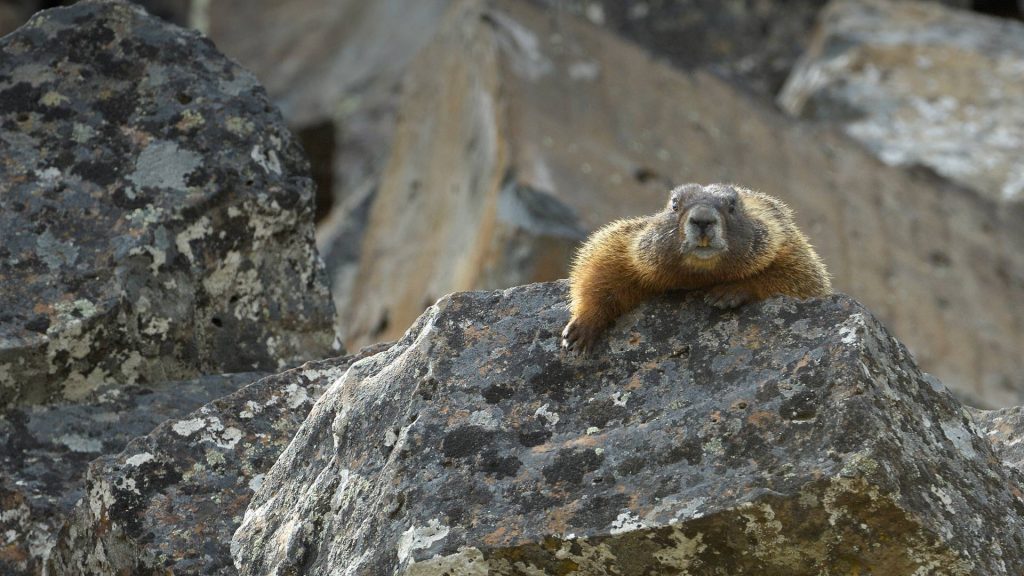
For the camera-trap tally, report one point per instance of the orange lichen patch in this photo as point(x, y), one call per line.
point(559, 518)
point(634, 382)
point(751, 338)
point(588, 441)
point(762, 418)
point(499, 537)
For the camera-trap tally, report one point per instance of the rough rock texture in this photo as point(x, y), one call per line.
point(45, 450)
point(155, 212)
point(334, 68)
point(1005, 430)
point(172, 499)
point(783, 438)
point(595, 130)
point(756, 43)
point(919, 83)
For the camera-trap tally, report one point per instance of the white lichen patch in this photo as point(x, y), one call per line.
point(100, 498)
point(550, 418)
point(157, 327)
point(256, 481)
point(420, 538)
point(127, 485)
point(466, 562)
point(960, 437)
point(196, 231)
point(251, 409)
point(48, 176)
point(690, 510)
point(189, 427)
point(81, 444)
point(943, 497)
point(266, 159)
point(851, 328)
point(229, 438)
point(163, 164)
point(488, 419)
point(297, 396)
point(627, 521)
point(621, 398)
point(139, 459)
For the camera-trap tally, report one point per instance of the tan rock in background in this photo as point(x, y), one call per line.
point(588, 123)
point(920, 83)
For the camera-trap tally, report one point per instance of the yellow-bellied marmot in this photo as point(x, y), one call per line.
point(738, 244)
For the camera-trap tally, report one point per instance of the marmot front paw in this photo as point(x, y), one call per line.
point(725, 296)
point(578, 337)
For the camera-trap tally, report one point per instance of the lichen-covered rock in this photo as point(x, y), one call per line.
point(920, 83)
point(170, 501)
point(45, 451)
point(1005, 430)
point(782, 438)
point(155, 212)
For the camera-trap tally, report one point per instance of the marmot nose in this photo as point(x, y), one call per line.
point(703, 218)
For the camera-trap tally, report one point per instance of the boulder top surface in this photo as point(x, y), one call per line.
point(783, 437)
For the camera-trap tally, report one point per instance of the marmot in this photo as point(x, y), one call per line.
point(738, 244)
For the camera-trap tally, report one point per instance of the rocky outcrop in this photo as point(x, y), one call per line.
point(919, 83)
point(785, 437)
point(754, 43)
point(535, 111)
point(156, 217)
point(45, 451)
point(1005, 430)
point(170, 501)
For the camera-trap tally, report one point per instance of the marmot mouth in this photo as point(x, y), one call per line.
point(706, 252)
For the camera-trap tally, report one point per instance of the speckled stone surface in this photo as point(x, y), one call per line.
point(45, 451)
point(170, 501)
point(783, 438)
point(1005, 430)
point(155, 212)
point(919, 83)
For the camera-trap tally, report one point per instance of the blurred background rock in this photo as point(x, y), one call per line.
point(462, 144)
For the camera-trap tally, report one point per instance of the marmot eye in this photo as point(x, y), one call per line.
point(732, 206)
point(675, 205)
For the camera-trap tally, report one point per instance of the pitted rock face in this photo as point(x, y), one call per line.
point(785, 437)
point(45, 452)
point(170, 501)
point(155, 213)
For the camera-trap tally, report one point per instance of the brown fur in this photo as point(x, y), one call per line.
point(629, 261)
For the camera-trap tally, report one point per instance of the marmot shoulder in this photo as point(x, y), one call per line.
point(736, 244)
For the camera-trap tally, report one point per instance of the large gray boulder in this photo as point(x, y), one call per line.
point(782, 438)
point(170, 501)
point(45, 452)
point(920, 83)
point(155, 212)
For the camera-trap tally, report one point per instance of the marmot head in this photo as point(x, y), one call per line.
point(711, 220)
